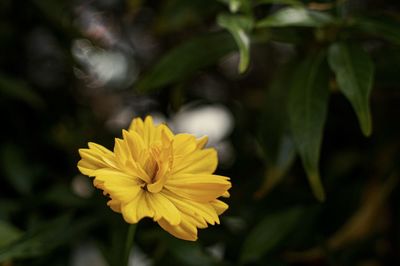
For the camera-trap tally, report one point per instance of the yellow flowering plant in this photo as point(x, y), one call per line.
point(153, 173)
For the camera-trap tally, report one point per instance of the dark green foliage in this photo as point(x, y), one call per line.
point(312, 89)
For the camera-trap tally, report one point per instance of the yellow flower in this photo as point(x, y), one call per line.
point(154, 173)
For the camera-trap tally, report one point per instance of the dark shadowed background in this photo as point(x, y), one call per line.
point(300, 98)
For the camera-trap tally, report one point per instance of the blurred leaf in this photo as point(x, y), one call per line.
point(183, 61)
point(269, 233)
point(8, 233)
point(386, 28)
point(280, 2)
point(16, 89)
point(278, 146)
point(239, 27)
point(189, 253)
point(62, 195)
point(295, 16)
point(361, 224)
point(176, 15)
point(45, 238)
point(234, 5)
point(354, 73)
point(308, 102)
point(59, 15)
point(17, 170)
point(8, 207)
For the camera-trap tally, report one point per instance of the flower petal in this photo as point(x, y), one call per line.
point(185, 230)
point(219, 206)
point(149, 131)
point(201, 142)
point(184, 144)
point(137, 125)
point(122, 152)
point(137, 208)
point(119, 185)
point(199, 162)
point(201, 188)
point(202, 212)
point(94, 158)
point(134, 144)
point(115, 205)
point(163, 208)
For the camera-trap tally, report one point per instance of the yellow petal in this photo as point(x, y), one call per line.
point(203, 212)
point(165, 131)
point(198, 162)
point(121, 151)
point(219, 206)
point(135, 169)
point(119, 185)
point(149, 131)
point(184, 230)
point(164, 161)
point(137, 209)
point(163, 208)
point(94, 158)
point(134, 144)
point(126, 160)
point(226, 194)
point(115, 205)
point(137, 125)
point(202, 188)
point(184, 144)
point(201, 142)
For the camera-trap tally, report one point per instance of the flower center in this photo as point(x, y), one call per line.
point(157, 167)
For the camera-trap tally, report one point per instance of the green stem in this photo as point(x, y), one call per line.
point(129, 243)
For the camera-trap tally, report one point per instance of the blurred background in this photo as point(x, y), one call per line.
point(244, 73)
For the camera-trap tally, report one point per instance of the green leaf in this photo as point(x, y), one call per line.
point(295, 16)
point(271, 231)
point(186, 59)
point(189, 253)
point(354, 71)
point(239, 27)
point(386, 28)
point(237, 5)
point(234, 5)
point(308, 102)
point(8, 233)
point(45, 238)
point(17, 170)
point(278, 146)
point(177, 15)
point(280, 2)
point(16, 89)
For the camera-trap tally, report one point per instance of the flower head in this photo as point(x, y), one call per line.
point(154, 173)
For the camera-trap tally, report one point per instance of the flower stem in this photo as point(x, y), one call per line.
point(129, 243)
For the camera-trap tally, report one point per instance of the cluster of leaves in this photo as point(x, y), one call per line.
point(301, 65)
point(308, 96)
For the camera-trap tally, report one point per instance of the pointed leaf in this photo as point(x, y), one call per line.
point(45, 237)
point(17, 169)
point(308, 102)
point(384, 27)
point(238, 5)
point(18, 89)
point(278, 146)
point(354, 73)
point(183, 61)
point(239, 27)
point(280, 2)
point(8, 233)
point(269, 233)
point(296, 16)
